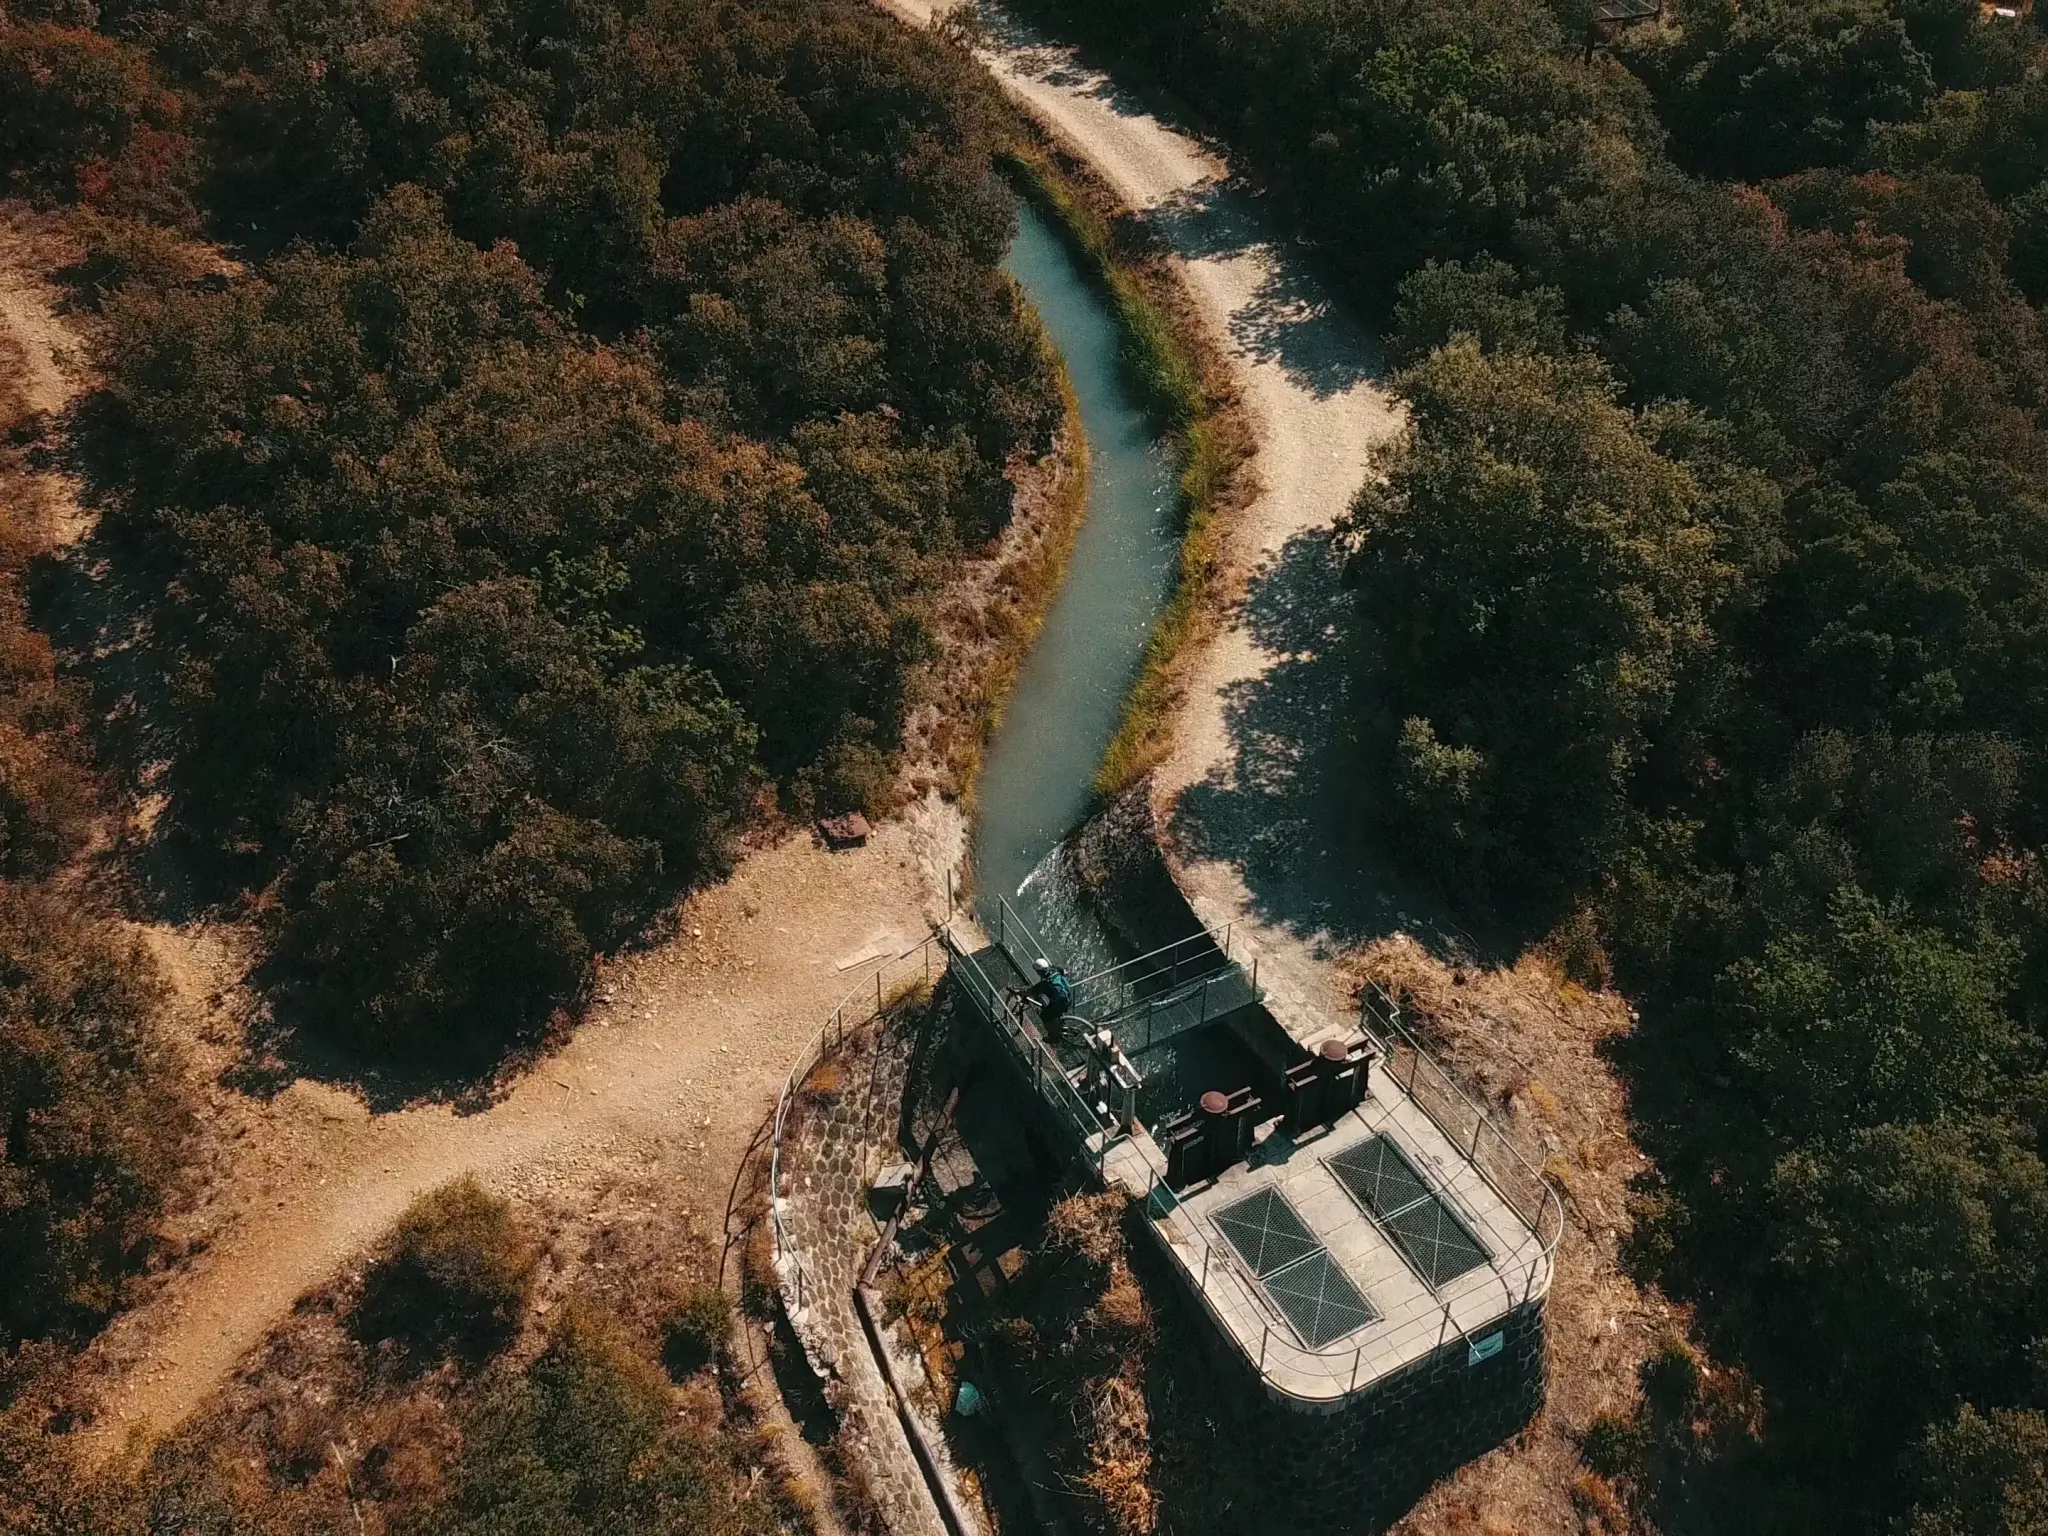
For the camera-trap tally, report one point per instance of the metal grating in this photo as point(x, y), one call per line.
point(1318, 1300)
point(1266, 1233)
point(1436, 1240)
point(1378, 1176)
point(1387, 1187)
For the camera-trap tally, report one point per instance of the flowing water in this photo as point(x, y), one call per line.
point(1069, 698)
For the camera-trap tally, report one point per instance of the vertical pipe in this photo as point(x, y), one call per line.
point(1265, 1332)
point(1357, 1355)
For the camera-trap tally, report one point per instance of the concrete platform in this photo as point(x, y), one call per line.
point(1413, 1318)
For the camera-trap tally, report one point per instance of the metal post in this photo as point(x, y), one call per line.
point(1255, 975)
point(1265, 1332)
point(1203, 1016)
point(1445, 1329)
point(1357, 1355)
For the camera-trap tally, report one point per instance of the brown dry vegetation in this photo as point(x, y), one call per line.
point(986, 620)
point(1529, 1042)
point(325, 1428)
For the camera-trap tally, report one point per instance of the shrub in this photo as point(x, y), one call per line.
point(584, 1440)
point(93, 1120)
point(697, 1328)
point(453, 1278)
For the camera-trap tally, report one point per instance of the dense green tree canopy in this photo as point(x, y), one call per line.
point(609, 392)
point(1704, 592)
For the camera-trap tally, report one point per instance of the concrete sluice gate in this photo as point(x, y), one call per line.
point(1368, 1246)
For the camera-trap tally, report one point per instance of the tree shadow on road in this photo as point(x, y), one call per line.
point(1294, 819)
point(1291, 320)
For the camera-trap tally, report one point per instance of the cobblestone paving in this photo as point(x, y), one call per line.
point(845, 1135)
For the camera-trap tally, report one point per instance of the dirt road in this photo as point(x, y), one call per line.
point(685, 1054)
point(696, 1039)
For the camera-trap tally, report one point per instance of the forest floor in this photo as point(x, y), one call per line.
point(1257, 794)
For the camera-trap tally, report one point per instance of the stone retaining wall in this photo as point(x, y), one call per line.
point(844, 1131)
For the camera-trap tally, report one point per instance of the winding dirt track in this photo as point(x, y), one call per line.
point(679, 1067)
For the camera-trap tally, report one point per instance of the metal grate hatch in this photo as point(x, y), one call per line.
point(1385, 1184)
point(1317, 1298)
point(1266, 1233)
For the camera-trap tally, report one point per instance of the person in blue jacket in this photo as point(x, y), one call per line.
point(1052, 994)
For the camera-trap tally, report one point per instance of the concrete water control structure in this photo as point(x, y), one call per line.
point(1365, 1240)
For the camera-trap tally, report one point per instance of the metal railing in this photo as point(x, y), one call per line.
point(1188, 968)
point(1120, 989)
point(1466, 1123)
point(1486, 1161)
point(894, 979)
point(1425, 1322)
point(1046, 1072)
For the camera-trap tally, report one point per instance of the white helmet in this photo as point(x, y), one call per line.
point(1042, 965)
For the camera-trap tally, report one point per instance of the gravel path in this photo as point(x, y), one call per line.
point(678, 1065)
point(1258, 825)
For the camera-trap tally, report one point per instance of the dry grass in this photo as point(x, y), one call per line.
point(316, 1431)
point(990, 615)
point(1528, 1040)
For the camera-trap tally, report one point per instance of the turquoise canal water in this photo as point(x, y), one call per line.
point(1069, 697)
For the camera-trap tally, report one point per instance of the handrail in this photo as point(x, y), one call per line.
point(1342, 1364)
point(1047, 1072)
point(1392, 1035)
point(1424, 1082)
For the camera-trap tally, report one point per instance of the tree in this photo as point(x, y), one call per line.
point(1872, 1020)
point(1522, 490)
point(93, 1119)
point(1982, 1474)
